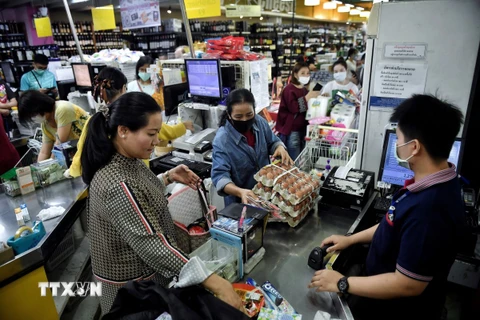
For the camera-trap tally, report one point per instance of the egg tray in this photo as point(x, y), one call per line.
point(270, 173)
point(263, 191)
point(292, 210)
point(293, 222)
point(296, 186)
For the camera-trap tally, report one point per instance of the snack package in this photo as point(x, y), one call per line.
point(252, 298)
point(269, 304)
point(277, 298)
point(269, 314)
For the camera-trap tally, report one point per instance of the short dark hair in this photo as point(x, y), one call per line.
point(296, 68)
point(142, 61)
point(235, 97)
point(99, 148)
point(111, 80)
point(414, 118)
point(340, 61)
point(32, 103)
point(351, 52)
point(41, 59)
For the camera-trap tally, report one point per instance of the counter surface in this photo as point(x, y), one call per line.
point(286, 256)
point(65, 194)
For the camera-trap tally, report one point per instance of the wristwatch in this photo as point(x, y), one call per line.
point(342, 285)
point(167, 175)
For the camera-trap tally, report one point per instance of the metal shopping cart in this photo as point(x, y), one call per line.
point(323, 143)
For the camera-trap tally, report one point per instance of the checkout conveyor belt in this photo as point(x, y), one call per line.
point(287, 252)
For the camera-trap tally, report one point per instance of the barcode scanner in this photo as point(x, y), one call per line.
point(315, 259)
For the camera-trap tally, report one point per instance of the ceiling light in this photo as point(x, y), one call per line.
point(338, 2)
point(286, 0)
point(354, 12)
point(232, 4)
point(349, 5)
point(365, 14)
point(169, 11)
point(343, 9)
point(376, 1)
point(330, 5)
point(360, 8)
point(241, 17)
point(311, 3)
point(261, 18)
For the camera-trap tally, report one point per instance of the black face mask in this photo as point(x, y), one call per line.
point(243, 126)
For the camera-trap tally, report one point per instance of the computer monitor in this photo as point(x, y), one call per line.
point(391, 172)
point(204, 78)
point(82, 72)
point(173, 95)
point(8, 72)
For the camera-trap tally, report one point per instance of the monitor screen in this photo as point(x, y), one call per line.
point(82, 75)
point(395, 174)
point(8, 72)
point(203, 77)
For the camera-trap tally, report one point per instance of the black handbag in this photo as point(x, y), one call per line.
point(147, 300)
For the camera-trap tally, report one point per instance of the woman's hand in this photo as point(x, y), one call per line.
point(4, 112)
point(245, 194)
point(224, 291)
point(183, 174)
point(283, 154)
point(325, 95)
point(189, 126)
point(312, 94)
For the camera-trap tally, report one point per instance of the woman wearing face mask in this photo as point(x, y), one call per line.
point(291, 123)
point(352, 63)
point(143, 82)
point(308, 58)
point(61, 121)
point(132, 235)
point(110, 84)
point(341, 82)
point(241, 147)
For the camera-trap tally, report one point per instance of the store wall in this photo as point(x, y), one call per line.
point(24, 14)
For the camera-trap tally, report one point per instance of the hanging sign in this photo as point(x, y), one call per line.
point(103, 18)
point(43, 27)
point(140, 13)
point(245, 11)
point(405, 51)
point(202, 9)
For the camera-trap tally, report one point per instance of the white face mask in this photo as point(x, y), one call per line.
point(403, 162)
point(38, 119)
point(340, 76)
point(304, 80)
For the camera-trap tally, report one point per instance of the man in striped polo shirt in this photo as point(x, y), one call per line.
point(415, 244)
point(40, 78)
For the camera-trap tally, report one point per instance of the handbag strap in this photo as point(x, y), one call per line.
point(33, 73)
point(139, 87)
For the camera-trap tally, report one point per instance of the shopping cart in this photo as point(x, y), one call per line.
point(323, 143)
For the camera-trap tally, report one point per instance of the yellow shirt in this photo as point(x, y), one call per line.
point(166, 134)
point(65, 113)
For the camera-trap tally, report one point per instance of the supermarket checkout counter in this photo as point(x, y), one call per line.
point(19, 277)
point(287, 252)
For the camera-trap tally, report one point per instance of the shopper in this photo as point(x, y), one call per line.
point(352, 64)
point(415, 244)
point(291, 123)
point(131, 232)
point(40, 78)
point(110, 84)
point(341, 82)
point(61, 121)
point(241, 147)
point(308, 58)
point(7, 98)
point(143, 82)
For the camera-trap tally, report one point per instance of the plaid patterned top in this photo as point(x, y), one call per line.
point(132, 235)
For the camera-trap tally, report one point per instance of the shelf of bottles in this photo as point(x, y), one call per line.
point(294, 42)
point(12, 41)
point(110, 39)
point(265, 38)
point(62, 34)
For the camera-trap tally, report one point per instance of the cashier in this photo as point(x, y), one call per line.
point(241, 147)
point(61, 121)
point(143, 82)
point(415, 244)
point(40, 78)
